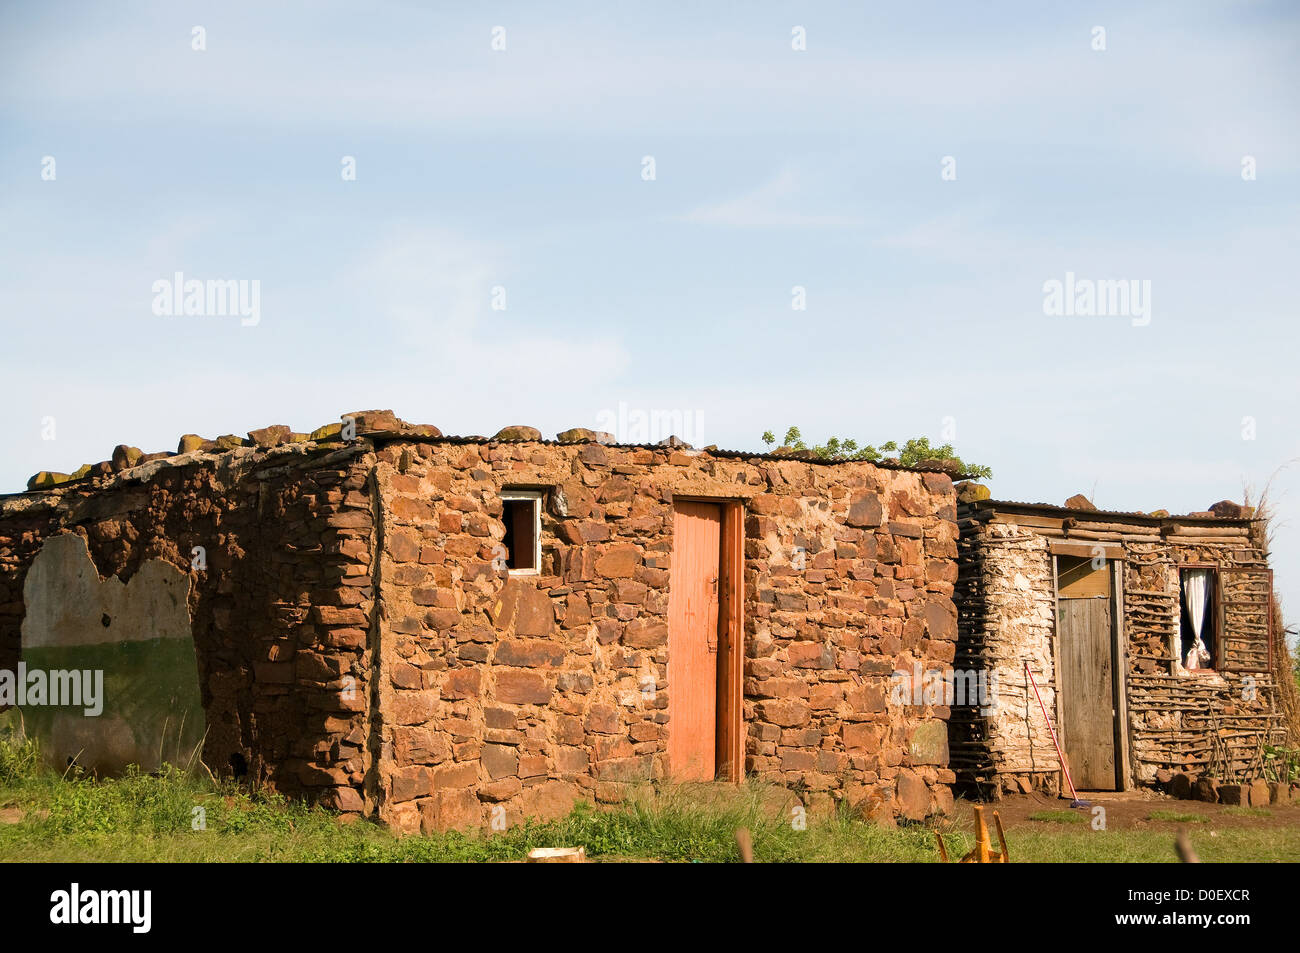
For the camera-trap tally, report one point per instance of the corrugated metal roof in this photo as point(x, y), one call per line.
point(389, 436)
point(1117, 515)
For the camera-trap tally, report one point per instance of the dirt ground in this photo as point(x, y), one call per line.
point(1130, 810)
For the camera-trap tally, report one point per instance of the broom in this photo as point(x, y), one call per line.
point(1056, 744)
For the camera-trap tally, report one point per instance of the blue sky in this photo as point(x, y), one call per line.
point(774, 168)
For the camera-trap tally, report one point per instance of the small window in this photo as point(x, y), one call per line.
point(1079, 577)
point(522, 515)
point(1198, 631)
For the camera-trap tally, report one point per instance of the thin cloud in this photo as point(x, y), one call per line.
point(778, 202)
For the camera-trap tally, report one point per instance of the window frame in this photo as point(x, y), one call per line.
point(521, 496)
point(1214, 618)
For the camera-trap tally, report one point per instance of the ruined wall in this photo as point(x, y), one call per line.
point(1212, 723)
point(115, 681)
point(279, 613)
point(528, 692)
point(325, 562)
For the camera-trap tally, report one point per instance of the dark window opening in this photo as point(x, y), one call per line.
point(521, 516)
point(1198, 631)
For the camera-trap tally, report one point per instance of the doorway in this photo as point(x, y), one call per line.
point(705, 640)
point(1086, 669)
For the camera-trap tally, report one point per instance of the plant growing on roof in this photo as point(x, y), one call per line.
point(911, 453)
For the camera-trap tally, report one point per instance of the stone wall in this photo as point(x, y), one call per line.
point(504, 697)
point(278, 605)
point(370, 549)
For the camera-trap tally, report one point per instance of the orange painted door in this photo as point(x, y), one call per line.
point(693, 641)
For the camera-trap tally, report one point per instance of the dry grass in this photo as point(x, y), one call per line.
point(1288, 692)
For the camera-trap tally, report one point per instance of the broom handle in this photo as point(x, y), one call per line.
point(1056, 744)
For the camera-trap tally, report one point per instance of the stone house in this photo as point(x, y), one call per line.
point(464, 631)
point(1150, 639)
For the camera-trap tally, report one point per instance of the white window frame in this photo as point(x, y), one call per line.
point(535, 496)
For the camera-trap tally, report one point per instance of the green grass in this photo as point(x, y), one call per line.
point(1059, 817)
point(151, 818)
point(1238, 811)
point(1177, 817)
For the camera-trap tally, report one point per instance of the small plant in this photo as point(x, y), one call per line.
point(1059, 817)
point(1281, 764)
point(1239, 811)
point(20, 757)
point(909, 454)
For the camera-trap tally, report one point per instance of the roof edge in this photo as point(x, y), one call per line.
point(1105, 516)
point(396, 436)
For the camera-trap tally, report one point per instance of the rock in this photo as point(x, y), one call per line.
point(1080, 502)
point(582, 434)
point(948, 465)
point(189, 443)
point(125, 457)
point(865, 509)
point(1180, 786)
point(501, 761)
point(930, 743)
point(422, 430)
point(912, 795)
point(1234, 794)
point(1260, 796)
point(1227, 509)
point(151, 457)
point(521, 687)
point(374, 421)
point(518, 432)
point(296, 437)
point(675, 441)
point(1279, 792)
point(968, 492)
point(1159, 514)
point(271, 436)
point(228, 442)
point(557, 855)
point(1205, 789)
point(328, 432)
point(46, 479)
point(618, 561)
point(82, 471)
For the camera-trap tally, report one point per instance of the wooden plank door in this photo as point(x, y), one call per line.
point(693, 641)
point(1087, 686)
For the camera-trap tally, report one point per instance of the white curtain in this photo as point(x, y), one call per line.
point(1196, 589)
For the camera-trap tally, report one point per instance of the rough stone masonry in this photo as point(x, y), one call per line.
point(358, 641)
